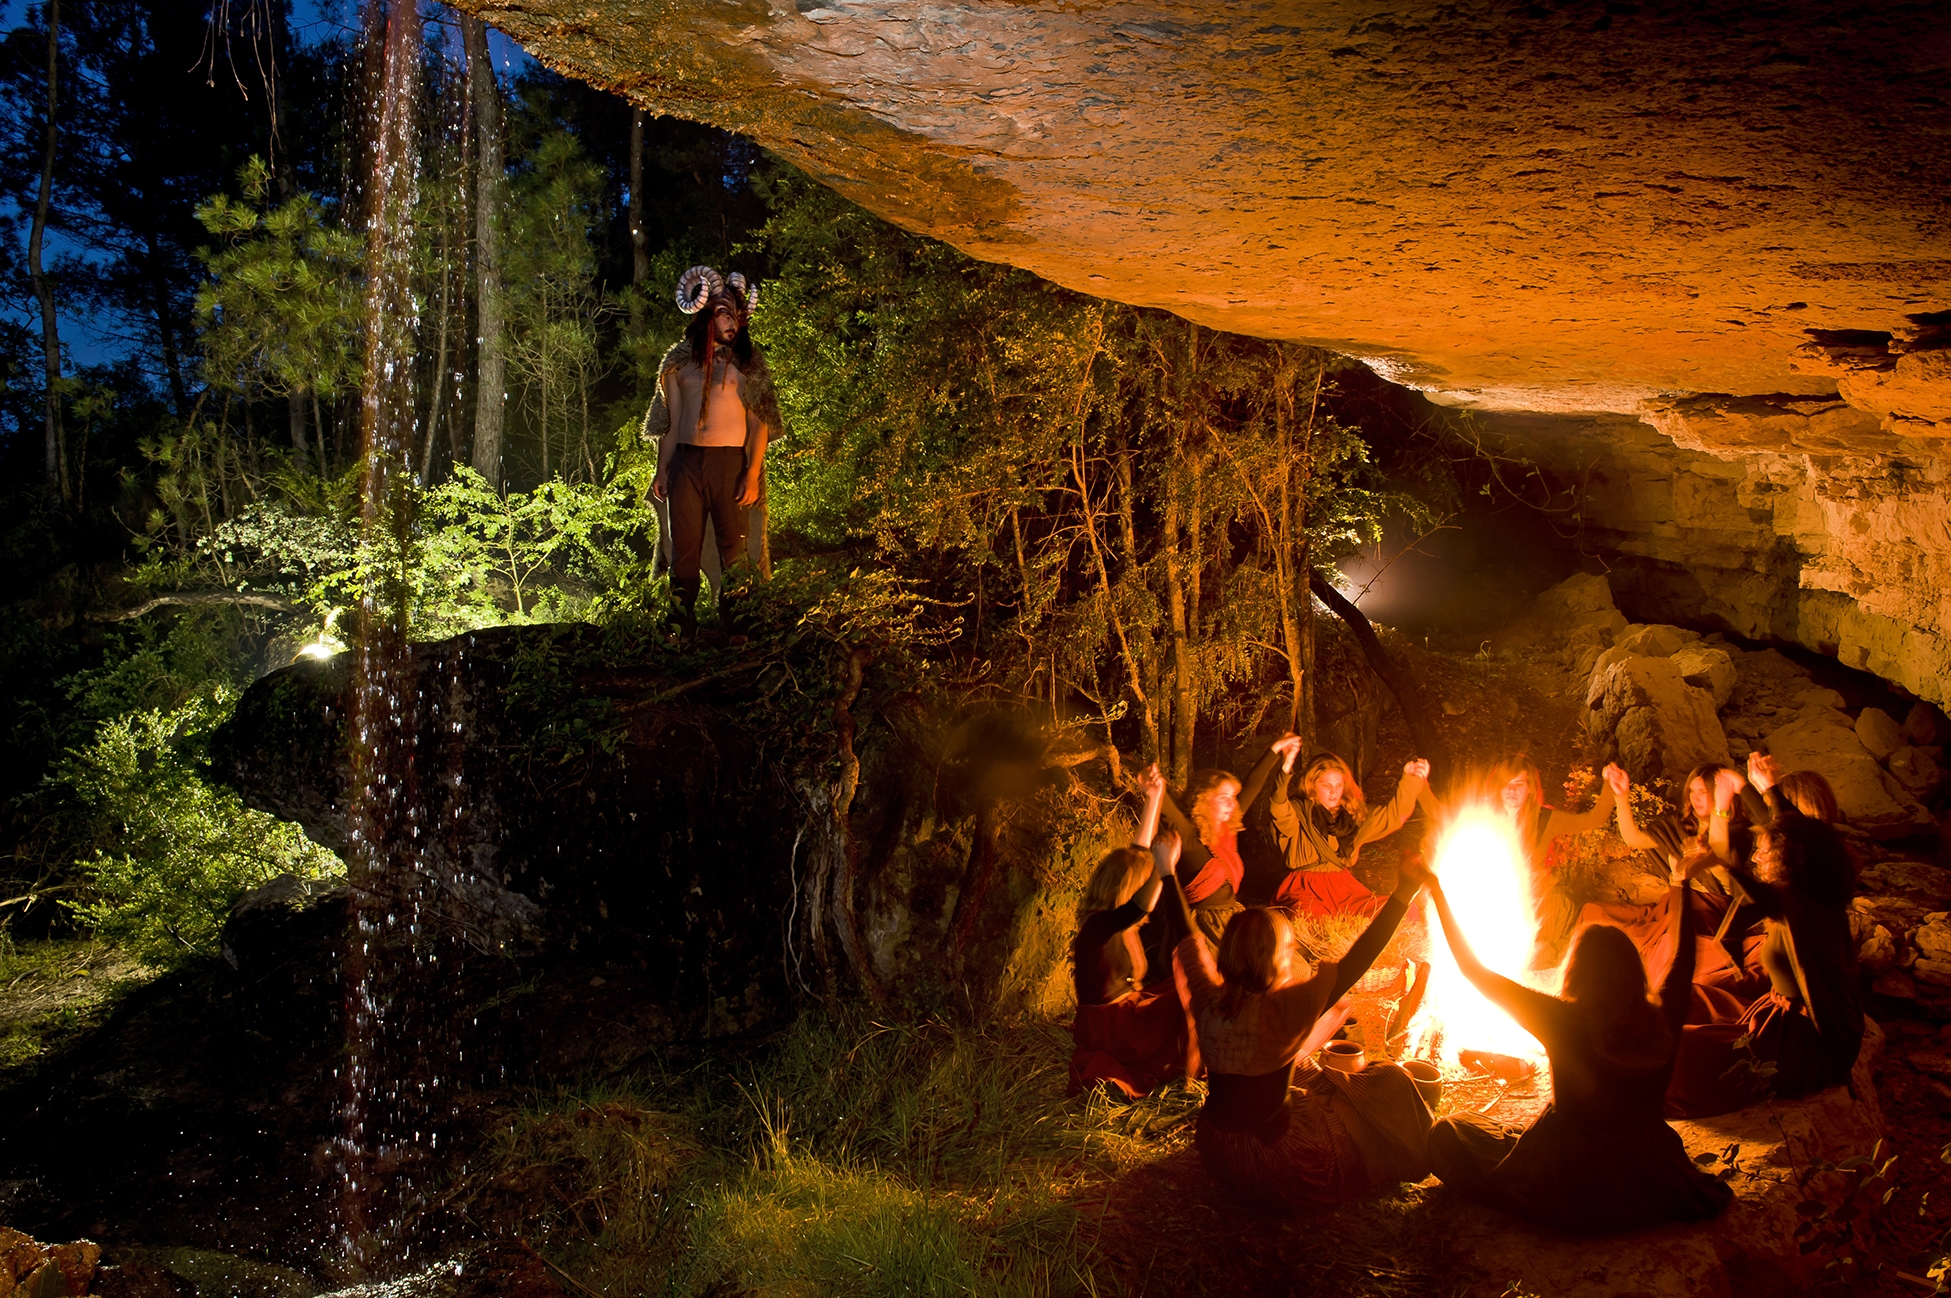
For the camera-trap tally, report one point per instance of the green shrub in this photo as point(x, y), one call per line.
point(174, 851)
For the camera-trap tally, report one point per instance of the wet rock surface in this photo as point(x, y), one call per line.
point(648, 898)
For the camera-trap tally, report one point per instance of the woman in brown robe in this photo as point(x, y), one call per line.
point(1802, 1034)
point(1124, 1036)
point(1323, 836)
point(1713, 895)
point(1600, 1157)
point(1276, 1129)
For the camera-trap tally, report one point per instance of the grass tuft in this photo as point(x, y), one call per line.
point(851, 1157)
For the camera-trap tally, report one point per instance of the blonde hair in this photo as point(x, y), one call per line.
point(1351, 792)
point(1203, 783)
point(1116, 879)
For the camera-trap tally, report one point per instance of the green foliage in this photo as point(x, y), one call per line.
point(1127, 504)
point(554, 307)
point(180, 850)
point(556, 554)
point(281, 308)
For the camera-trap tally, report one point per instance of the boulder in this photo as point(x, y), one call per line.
point(1895, 984)
point(31, 1269)
point(1578, 611)
point(1655, 641)
point(1879, 732)
point(1910, 884)
point(1933, 938)
point(1657, 724)
point(1750, 1248)
point(1819, 738)
point(1878, 951)
point(1921, 725)
point(1707, 668)
point(1916, 770)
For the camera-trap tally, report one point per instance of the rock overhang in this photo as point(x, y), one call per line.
point(1513, 206)
point(1728, 222)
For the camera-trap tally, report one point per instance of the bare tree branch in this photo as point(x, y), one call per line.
point(199, 599)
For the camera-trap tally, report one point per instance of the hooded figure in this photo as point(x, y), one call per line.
point(714, 414)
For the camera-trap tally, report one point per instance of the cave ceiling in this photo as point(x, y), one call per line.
point(1542, 207)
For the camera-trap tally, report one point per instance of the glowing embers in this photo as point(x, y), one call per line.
point(1483, 873)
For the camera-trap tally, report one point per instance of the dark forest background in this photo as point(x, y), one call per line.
point(1108, 514)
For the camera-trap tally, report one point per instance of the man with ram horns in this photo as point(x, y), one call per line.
point(713, 415)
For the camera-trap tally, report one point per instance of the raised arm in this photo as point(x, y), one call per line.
point(1676, 990)
point(1152, 785)
point(1386, 820)
point(1256, 779)
point(1580, 822)
point(1194, 854)
point(1165, 857)
point(1531, 1009)
point(1727, 786)
point(1364, 950)
point(1636, 838)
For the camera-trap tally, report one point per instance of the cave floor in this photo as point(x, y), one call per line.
point(1144, 1218)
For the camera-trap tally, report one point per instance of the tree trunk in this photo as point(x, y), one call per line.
point(166, 331)
point(436, 401)
point(1401, 682)
point(639, 237)
point(300, 443)
point(490, 398)
point(1179, 759)
point(57, 451)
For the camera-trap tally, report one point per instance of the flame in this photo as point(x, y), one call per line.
point(1484, 875)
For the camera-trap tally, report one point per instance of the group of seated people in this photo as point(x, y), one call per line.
point(1738, 983)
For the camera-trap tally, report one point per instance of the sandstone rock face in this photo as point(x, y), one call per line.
point(35, 1270)
point(657, 853)
point(1659, 724)
point(1880, 733)
point(1820, 738)
point(1841, 551)
point(1532, 208)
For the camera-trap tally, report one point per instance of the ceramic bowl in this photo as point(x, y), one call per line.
point(1429, 1081)
point(1343, 1056)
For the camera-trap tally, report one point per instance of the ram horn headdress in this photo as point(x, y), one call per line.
point(748, 292)
point(697, 286)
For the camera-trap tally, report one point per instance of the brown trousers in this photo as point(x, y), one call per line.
point(704, 484)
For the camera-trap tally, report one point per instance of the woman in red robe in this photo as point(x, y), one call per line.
point(1124, 1036)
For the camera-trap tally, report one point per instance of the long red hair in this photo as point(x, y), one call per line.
point(1201, 813)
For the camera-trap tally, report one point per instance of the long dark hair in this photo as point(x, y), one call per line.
point(1690, 824)
point(1606, 980)
point(1249, 957)
point(1816, 863)
point(697, 331)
